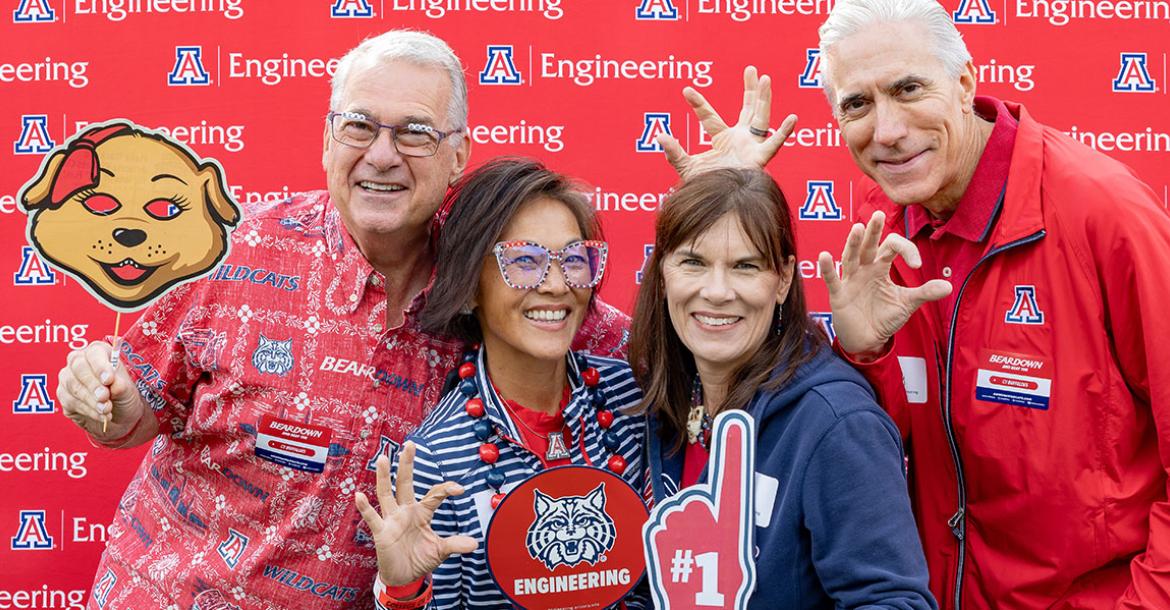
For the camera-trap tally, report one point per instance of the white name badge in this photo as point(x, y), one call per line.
point(293, 444)
point(1019, 380)
point(914, 378)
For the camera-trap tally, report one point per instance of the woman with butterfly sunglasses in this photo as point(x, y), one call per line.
point(519, 259)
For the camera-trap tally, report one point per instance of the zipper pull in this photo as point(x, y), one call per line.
point(954, 523)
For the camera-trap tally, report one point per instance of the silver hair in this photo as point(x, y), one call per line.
point(849, 16)
point(419, 48)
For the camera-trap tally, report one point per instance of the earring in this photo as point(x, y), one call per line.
point(465, 311)
point(779, 320)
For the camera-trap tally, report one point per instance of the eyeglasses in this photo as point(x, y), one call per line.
point(524, 264)
point(411, 140)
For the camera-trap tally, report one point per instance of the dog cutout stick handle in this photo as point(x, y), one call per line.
point(114, 363)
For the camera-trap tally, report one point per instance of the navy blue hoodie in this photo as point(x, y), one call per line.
point(840, 532)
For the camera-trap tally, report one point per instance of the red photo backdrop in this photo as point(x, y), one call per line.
point(581, 84)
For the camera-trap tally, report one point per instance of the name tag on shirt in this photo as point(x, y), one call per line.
point(913, 378)
point(1018, 380)
point(293, 444)
point(766, 488)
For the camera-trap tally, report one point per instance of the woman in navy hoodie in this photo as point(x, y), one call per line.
point(720, 323)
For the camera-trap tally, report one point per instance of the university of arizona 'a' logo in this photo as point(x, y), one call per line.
point(273, 357)
point(34, 135)
point(975, 12)
point(824, 319)
point(34, 395)
point(820, 203)
point(346, 9)
point(101, 590)
point(188, 70)
point(31, 535)
point(1025, 310)
point(500, 69)
point(811, 77)
point(202, 347)
point(33, 271)
point(386, 447)
point(647, 250)
point(656, 10)
point(653, 123)
point(570, 529)
point(34, 11)
point(1134, 76)
point(232, 549)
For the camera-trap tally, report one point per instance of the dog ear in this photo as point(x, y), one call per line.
point(218, 200)
point(36, 193)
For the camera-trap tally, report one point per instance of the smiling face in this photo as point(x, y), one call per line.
point(146, 225)
point(378, 191)
point(721, 295)
point(907, 123)
point(522, 327)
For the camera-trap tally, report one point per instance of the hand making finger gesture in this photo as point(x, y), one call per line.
point(868, 307)
point(407, 547)
point(746, 144)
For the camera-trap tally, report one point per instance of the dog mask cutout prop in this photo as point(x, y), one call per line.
point(129, 213)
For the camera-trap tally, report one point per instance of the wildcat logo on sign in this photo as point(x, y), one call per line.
point(571, 529)
point(567, 537)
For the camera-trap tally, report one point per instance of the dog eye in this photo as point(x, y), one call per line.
point(163, 209)
point(102, 205)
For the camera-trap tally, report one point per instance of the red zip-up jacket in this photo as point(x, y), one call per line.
point(1038, 436)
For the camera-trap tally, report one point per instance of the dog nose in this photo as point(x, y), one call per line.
point(129, 237)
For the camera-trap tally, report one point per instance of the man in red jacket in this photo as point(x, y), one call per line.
point(1004, 299)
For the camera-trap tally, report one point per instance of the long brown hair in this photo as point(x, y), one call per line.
point(664, 367)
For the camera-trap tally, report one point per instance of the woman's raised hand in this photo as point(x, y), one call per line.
point(408, 549)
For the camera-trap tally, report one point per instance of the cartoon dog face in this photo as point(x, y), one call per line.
point(129, 213)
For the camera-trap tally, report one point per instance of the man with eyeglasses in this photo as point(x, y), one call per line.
point(269, 402)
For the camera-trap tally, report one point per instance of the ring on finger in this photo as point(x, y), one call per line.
point(756, 131)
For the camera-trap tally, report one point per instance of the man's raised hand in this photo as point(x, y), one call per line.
point(736, 145)
point(868, 307)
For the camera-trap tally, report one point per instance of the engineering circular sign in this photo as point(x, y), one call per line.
point(569, 537)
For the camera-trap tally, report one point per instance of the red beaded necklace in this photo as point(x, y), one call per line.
point(489, 451)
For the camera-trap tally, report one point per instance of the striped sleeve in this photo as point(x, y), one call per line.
point(447, 579)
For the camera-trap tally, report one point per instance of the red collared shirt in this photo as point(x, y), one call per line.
point(950, 249)
point(288, 334)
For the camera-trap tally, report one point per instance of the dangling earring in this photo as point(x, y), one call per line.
point(779, 319)
point(465, 311)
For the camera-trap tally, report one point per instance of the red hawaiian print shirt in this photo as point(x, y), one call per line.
point(276, 386)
